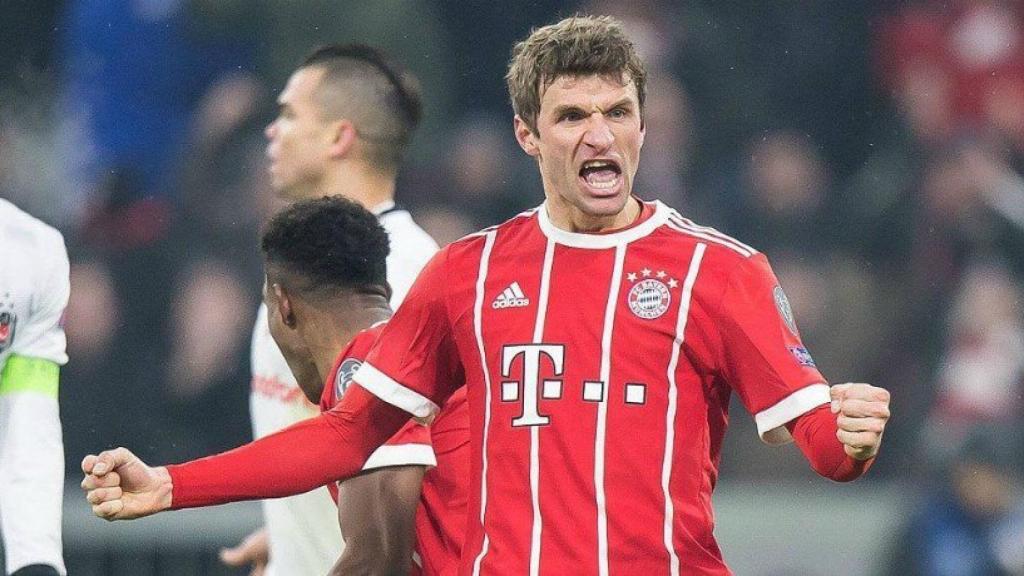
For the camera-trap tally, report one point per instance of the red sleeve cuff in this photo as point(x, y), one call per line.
point(815, 435)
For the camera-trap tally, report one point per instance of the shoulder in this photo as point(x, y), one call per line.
point(34, 246)
point(718, 245)
point(362, 342)
point(349, 360)
point(720, 259)
point(22, 228)
point(477, 240)
point(406, 235)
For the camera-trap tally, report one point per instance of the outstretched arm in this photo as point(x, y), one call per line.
point(377, 512)
point(333, 446)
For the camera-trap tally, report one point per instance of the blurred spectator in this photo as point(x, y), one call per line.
point(784, 205)
point(981, 375)
point(210, 321)
point(668, 144)
point(133, 69)
point(487, 179)
point(972, 522)
point(958, 61)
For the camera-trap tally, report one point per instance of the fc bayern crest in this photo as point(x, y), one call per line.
point(346, 371)
point(651, 292)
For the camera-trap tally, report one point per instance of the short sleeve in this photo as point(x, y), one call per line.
point(414, 363)
point(763, 358)
point(42, 335)
point(409, 446)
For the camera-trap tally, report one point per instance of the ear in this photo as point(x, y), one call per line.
point(643, 132)
point(343, 136)
point(525, 136)
point(284, 305)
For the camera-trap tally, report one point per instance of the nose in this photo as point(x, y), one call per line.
point(599, 134)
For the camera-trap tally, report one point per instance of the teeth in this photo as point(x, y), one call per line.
point(597, 164)
point(602, 185)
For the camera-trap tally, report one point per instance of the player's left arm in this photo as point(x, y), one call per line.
point(840, 440)
point(32, 449)
point(377, 512)
point(838, 428)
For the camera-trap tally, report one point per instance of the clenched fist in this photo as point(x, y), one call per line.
point(119, 486)
point(862, 412)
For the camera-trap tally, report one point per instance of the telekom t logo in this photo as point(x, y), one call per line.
point(532, 355)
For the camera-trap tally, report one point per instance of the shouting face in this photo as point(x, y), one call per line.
point(587, 141)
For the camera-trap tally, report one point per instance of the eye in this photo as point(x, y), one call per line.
point(618, 113)
point(572, 116)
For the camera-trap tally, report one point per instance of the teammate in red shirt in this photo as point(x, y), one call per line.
point(325, 288)
point(599, 339)
point(440, 515)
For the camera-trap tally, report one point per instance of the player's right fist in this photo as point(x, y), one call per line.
point(119, 486)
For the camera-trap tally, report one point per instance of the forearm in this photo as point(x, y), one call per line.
point(33, 456)
point(815, 435)
point(302, 457)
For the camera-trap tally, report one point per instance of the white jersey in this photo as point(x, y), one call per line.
point(34, 289)
point(303, 530)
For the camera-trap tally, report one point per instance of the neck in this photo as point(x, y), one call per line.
point(330, 328)
point(572, 219)
point(358, 182)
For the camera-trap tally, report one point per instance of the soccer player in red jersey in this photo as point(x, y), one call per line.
point(327, 297)
point(599, 337)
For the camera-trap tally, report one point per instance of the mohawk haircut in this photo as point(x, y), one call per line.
point(380, 97)
point(575, 46)
point(329, 244)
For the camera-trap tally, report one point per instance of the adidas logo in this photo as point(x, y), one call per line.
point(511, 297)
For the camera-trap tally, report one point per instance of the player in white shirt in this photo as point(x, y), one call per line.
point(345, 117)
point(34, 289)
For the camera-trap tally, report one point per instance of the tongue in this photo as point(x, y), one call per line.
point(600, 176)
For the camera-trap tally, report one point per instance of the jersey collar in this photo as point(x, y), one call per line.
point(384, 207)
point(602, 241)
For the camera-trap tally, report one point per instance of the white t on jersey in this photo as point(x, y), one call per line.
point(34, 289)
point(303, 530)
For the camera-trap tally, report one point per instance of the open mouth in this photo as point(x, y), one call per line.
point(600, 174)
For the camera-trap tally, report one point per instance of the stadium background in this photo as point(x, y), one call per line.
point(872, 149)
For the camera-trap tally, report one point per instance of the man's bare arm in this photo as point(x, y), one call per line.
point(377, 512)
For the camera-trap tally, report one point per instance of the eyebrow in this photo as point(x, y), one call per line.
point(623, 103)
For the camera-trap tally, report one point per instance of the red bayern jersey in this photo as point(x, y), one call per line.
point(599, 370)
point(444, 446)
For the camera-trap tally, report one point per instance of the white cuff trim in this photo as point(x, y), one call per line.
point(771, 422)
point(391, 391)
point(401, 455)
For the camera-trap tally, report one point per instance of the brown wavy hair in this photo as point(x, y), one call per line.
point(576, 46)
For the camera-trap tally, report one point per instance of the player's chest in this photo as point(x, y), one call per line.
point(583, 297)
point(582, 327)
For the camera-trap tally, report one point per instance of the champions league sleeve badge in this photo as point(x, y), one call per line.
point(346, 372)
point(782, 303)
point(651, 293)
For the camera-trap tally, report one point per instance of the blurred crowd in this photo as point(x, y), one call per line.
point(874, 150)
